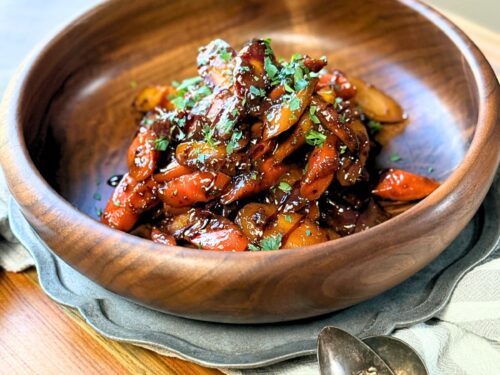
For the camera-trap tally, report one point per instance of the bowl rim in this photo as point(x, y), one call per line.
point(12, 143)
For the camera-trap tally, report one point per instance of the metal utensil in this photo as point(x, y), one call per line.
point(399, 356)
point(340, 353)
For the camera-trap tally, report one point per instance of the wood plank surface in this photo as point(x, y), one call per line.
point(38, 336)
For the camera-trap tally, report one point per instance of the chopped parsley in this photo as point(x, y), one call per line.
point(267, 243)
point(253, 247)
point(271, 242)
point(117, 203)
point(315, 138)
point(430, 169)
point(288, 218)
point(179, 102)
point(294, 104)
point(288, 88)
point(375, 126)
point(395, 157)
point(308, 232)
point(233, 142)
point(201, 158)
point(256, 92)
point(97, 196)
point(343, 118)
point(271, 69)
point(312, 114)
point(98, 211)
point(285, 187)
point(187, 83)
point(161, 144)
point(225, 55)
point(342, 149)
point(208, 135)
point(337, 103)
point(298, 77)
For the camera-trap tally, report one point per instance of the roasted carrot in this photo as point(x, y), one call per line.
point(399, 185)
point(142, 155)
point(117, 213)
point(192, 188)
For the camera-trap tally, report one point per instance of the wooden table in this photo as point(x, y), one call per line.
point(36, 334)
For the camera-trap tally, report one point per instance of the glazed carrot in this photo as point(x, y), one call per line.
point(253, 217)
point(399, 185)
point(171, 171)
point(283, 224)
point(252, 183)
point(153, 96)
point(308, 233)
point(117, 213)
point(212, 67)
point(339, 83)
point(281, 117)
point(161, 237)
point(192, 188)
point(208, 231)
point(142, 156)
point(294, 140)
point(144, 196)
point(322, 164)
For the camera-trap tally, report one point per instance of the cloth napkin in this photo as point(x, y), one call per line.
point(463, 339)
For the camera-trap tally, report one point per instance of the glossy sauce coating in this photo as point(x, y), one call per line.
point(258, 154)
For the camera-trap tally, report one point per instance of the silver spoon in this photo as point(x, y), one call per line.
point(340, 353)
point(398, 355)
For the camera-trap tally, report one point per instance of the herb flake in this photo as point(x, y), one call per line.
point(315, 138)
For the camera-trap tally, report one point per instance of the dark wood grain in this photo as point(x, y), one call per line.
point(71, 106)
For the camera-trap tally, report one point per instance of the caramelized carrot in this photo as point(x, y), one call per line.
point(142, 156)
point(208, 231)
point(253, 217)
point(321, 167)
point(281, 117)
point(117, 213)
point(192, 188)
point(294, 140)
point(159, 236)
point(306, 234)
point(399, 185)
point(171, 171)
point(252, 183)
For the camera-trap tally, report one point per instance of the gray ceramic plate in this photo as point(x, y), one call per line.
point(249, 346)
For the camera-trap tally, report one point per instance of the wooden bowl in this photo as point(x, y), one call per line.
point(68, 123)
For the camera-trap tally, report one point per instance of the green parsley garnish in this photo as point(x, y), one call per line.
point(337, 103)
point(253, 247)
point(270, 68)
point(342, 149)
point(208, 135)
point(271, 242)
point(375, 126)
point(294, 104)
point(395, 157)
point(343, 118)
point(312, 114)
point(187, 83)
point(285, 187)
point(179, 102)
point(288, 88)
point(430, 169)
point(97, 196)
point(255, 91)
point(98, 211)
point(117, 203)
point(233, 142)
point(315, 138)
point(308, 232)
point(298, 77)
point(161, 144)
point(288, 218)
point(225, 55)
